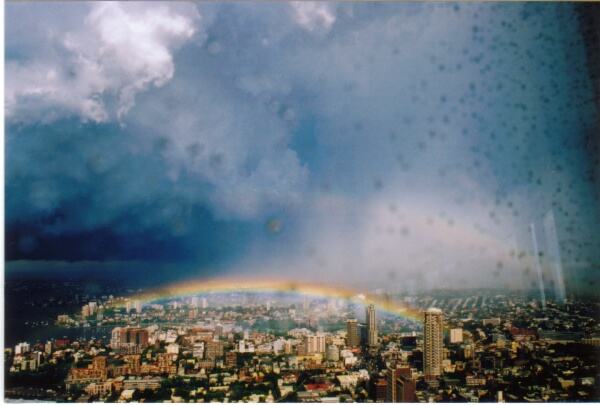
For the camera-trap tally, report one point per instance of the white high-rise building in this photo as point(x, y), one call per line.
point(93, 305)
point(138, 306)
point(21, 348)
point(204, 303)
point(433, 343)
point(315, 343)
point(372, 337)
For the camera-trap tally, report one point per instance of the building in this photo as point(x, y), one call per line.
point(214, 349)
point(22, 348)
point(406, 389)
point(93, 306)
point(456, 335)
point(85, 311)
point(96, 372)
point(381, 390)
point(173, 348)
point(315, 343)
point(372, 338)
point(198, 350)
point(433, 344)
point(352, 333)
point(139, 383)
point(130, 340)
point(138, 306)
point(333, 353)
point(400, 385)
point(231, 359)
point(491, 321)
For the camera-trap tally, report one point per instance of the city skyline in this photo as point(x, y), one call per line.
point(301, 201)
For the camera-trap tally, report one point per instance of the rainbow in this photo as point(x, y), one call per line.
point(272, 285)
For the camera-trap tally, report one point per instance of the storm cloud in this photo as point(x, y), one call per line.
point(410, 145)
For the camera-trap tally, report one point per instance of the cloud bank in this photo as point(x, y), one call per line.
point(382, 144)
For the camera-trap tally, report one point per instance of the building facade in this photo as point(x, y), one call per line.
point(372, 336)
point(433, 343)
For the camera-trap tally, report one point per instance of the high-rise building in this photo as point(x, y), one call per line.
point(352, 333)
point(456, 335)
point(93, 305)
point(372, 339)
point(131, 340)
point(315, 343)
point(218, 330)
point(433, 343)
point(204, 303)
point(400, 385)
point(22, 347)
point(406, 389)
point(138, 306)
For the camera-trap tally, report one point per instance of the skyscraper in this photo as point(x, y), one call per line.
point(400, 385)
point(433, 349)
point(315, 343)
point(352, 333)
point(371, 326)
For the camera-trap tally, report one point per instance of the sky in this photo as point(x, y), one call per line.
point(402, 146)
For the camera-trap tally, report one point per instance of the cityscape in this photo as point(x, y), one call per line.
point(301, 201)
point(247, 346)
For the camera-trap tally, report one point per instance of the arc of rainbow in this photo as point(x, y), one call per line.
point(271, 285)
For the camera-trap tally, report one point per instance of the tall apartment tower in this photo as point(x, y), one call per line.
point(433, 343)
point(400, 385)
point(352, 333)
point(371, 326)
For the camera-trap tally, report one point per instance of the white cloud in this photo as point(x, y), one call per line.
point(121, 50)
point(312, 15)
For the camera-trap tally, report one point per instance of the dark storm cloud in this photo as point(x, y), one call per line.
point(413, 140)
